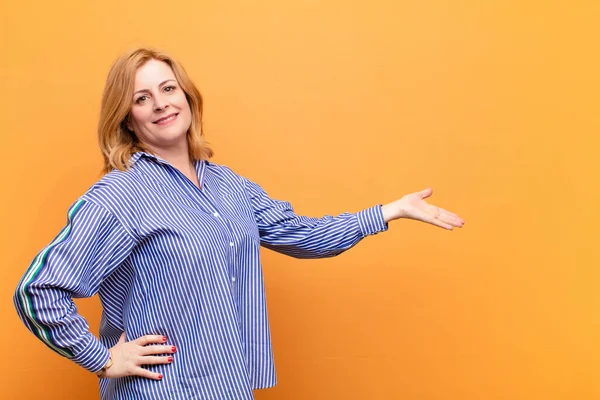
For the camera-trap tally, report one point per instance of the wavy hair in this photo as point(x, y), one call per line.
point(117, 142)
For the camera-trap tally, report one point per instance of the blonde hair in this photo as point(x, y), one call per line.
point(117, 142)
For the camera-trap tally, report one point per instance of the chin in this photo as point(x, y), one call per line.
point(172, 131)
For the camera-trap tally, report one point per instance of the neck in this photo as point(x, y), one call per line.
point(178, 157)
point(180, 160)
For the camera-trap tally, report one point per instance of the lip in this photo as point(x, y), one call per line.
point(167, 119)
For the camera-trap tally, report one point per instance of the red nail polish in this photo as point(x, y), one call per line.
point(160, 377)
point(164, 339)
point(174, 349)
point(170, 359)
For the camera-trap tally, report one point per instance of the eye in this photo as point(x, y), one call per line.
point(141, 99)
point(170, 88)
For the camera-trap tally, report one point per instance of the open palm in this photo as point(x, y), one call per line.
point(414, 206)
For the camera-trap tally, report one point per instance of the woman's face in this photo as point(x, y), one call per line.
point(160, 114)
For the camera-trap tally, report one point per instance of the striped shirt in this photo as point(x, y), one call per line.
point(169, 258)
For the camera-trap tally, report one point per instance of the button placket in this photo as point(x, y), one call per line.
point(231, 245)
point(224, 223)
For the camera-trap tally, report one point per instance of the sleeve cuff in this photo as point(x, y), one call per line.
point(94, 356)
point(371, 221)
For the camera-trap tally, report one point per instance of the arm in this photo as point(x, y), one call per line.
point(88, 249)
point(283, 231)
point(302, 237)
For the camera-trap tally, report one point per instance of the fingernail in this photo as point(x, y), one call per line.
point(170, 359)
point(173, 349)
point(160, 377)
point(164, 339)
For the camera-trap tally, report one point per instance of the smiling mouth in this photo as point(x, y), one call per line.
point(166, 120)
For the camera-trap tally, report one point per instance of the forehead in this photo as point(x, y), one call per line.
point(152, 74)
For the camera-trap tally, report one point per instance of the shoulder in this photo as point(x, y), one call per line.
point(224, 174)
point(118, 195)
point(115, 191)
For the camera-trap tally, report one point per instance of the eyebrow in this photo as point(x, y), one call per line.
point(162, 83)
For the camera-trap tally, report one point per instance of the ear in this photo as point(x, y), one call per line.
point(126, 126)
point(127, 123)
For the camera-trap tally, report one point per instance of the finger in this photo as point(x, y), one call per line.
point(451, 218)
point(446, 212)
point(444, 219)
point(433, 217)
point(144, 373)
point(451, 223)
point(442, 224)
point(154, 360)
point(425, 193)
point(437, 220)
point(445, 215)
point(157, 350)
point(148, 339)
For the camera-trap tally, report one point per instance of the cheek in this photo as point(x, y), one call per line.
point(188, 111)
point(139, 116)
point(183, 104)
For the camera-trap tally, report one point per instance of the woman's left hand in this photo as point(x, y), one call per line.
point(414, 206)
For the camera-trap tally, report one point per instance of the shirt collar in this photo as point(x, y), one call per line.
point(200, 165)
point(139, 154)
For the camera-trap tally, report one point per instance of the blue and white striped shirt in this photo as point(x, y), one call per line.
point(168, 258)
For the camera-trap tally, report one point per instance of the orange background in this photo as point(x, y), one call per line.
point(335, 106)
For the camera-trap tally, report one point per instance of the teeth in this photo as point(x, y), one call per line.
point(167, 119)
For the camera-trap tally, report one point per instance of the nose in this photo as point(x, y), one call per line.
point(160, 104)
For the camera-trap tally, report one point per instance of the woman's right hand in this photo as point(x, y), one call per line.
point(128, 357)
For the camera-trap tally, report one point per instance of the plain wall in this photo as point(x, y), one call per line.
point(337, 106)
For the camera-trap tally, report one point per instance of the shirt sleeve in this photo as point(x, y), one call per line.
point(91, 246)
point(283, 231)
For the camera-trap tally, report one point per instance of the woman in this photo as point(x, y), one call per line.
point(170, 242)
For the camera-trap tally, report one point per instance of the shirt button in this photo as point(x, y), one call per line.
point(231, 244)
point(233, 279)
point(216, 214)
